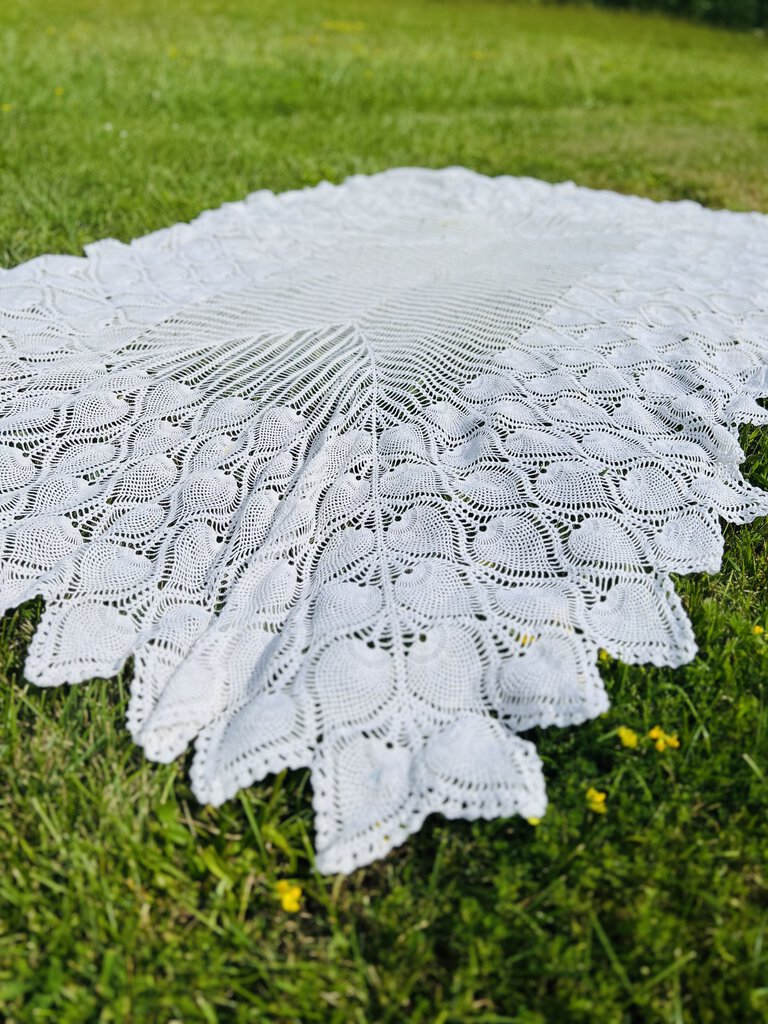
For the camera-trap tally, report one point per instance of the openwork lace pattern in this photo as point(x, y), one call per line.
point(362, 477)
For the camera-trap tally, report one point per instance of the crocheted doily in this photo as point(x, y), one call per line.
point(363, 476)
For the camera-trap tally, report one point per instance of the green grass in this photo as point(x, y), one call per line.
point(123, 900)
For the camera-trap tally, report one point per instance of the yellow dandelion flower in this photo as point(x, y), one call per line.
point(603, 655)
point(758, 630)
point(290, 895)
point(596, 800)
point(627, 736)
point(533, 821)
point(344, 27)
point(291, 901)
point(662, 739)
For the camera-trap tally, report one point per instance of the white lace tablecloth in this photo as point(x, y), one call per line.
point(363, 476)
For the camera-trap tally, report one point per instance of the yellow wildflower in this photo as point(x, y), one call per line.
point(603, 655)
point(290, 895)
point(344, 27)
point(627, 736)
point(533, 821)
point(59, 90)
point(596, 800)
point(758, 630)
point(662, 739)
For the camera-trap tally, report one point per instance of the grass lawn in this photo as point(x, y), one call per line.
point(121, 899)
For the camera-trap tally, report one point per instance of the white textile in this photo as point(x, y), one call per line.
point(363, 476)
